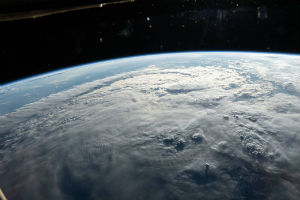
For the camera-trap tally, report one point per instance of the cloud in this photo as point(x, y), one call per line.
point(159, 132)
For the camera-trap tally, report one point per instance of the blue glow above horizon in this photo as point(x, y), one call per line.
point(54, 72)
point(18, 93)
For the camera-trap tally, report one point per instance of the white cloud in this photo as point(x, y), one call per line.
point(130, 132)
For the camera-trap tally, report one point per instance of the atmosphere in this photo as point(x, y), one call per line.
point(150, 100)
point(60, 35)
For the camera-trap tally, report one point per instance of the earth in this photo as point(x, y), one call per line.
point(194, 125)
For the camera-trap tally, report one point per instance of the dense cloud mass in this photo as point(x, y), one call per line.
point(220, 130)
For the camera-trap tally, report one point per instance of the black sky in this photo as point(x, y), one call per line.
point(33, 46)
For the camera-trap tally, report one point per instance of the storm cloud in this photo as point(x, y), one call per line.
point(202, 131)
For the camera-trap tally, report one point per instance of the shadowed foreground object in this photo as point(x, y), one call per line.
point(12, 16)
point(198, 125)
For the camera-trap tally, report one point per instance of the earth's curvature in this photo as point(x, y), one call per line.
point(198, 125)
